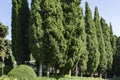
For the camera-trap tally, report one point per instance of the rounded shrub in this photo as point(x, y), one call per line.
point(23, 72)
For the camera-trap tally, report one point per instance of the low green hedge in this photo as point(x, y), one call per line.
point(22, 72)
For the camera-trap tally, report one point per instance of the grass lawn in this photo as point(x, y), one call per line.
point(68, 78)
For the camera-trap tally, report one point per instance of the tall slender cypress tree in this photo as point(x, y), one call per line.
point(112, 40)
point(101, 44)
point(20, 24)
point(84, 53)
point(54, 42)
point(92, 44)
point(108, 47)
point(36, 35)
point(116, 59)
point(73, 32)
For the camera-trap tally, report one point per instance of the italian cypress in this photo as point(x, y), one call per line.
point(101, 44)
point(36, 35)
point(92, 44)
point(20, 25)
point(112, 40)
point(84, 53)
point(54, 42)
point(108, 47)
point(73, 30)
point(116, 59)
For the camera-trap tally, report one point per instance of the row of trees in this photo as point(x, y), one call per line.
point(58, 35)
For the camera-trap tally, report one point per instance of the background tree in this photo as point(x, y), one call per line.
point(101, 44)
point(92, 44)
point(116, 64)
point(108, 47)
point(3, 50)
point(20, 24)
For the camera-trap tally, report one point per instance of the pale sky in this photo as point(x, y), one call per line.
point(108, 9)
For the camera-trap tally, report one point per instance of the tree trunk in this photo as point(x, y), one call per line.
point(81, 74)
point(76, 71)
point(3, 67)
point(39, 69)
point(91, 74)
point(48, 70)
point(70, 72)
point(100, 75)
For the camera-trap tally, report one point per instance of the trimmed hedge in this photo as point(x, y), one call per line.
point(22, 72)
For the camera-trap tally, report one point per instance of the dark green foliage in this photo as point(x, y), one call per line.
point(116, 59)
point(23, 72)
point(101, 44)
point(54, 42)
point(108, 47)
point(3, 30)
point(36, 31)
point(112, 40)
point(92, 44)
point(20, 24)
point(84, 53)
point(74, 32)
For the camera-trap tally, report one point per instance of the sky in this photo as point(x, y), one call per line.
point(108, 9)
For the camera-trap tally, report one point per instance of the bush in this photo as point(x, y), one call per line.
point(22, 72)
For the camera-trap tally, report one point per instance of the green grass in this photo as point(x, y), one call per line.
point(68, 78)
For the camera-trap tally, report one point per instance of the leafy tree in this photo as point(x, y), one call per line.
point(108, 47)
point(92, 44)
point(3, 50)
point(54, 42)
point(101, 44)
point(20, 24)
point(36, 34)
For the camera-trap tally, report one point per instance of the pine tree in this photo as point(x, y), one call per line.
point(20, 24)
point(36, 35)
point(54, 42)
point(101, 44)
point(92, 44)
point(84, 53)
point(108, 47)
point(73, 32)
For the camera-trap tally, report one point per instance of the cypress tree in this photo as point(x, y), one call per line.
point(116, 59)
point(92, 44)
point(84, 53)
point(54, 42)
point(112, 40)
point(108, 47)
point(101, 44)
point(73, 30)
point(20, 24)
point(36, 35)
